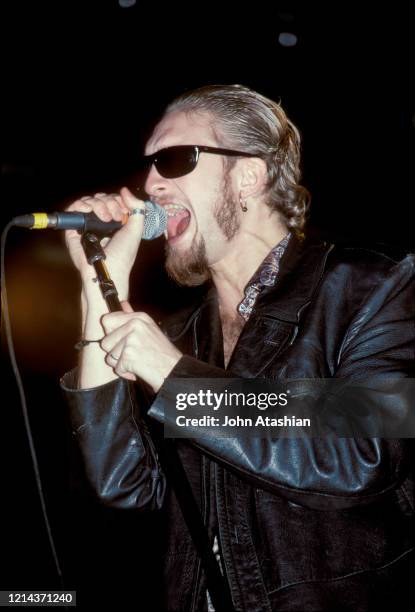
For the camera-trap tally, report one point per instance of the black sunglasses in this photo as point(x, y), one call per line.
point(173, 162)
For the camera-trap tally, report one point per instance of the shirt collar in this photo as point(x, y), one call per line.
point(265, 276)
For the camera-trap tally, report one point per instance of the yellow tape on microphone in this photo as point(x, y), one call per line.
point(40, 221)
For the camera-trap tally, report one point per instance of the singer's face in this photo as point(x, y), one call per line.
point(202, 206)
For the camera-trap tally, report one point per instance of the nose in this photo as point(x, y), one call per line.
point(155, 184)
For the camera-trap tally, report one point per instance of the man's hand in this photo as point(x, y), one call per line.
point(120, 249)
point(136, 347)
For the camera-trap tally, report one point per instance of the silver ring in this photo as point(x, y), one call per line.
point(137, 211)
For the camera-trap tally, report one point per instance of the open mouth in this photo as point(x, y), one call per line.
point(178, 219)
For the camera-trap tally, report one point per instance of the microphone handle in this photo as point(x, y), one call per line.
point(84, 222)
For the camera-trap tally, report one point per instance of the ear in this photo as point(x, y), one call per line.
point(253, 176)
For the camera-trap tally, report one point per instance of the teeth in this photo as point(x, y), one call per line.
point(173, 209)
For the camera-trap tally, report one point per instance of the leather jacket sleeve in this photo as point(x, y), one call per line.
point(329, 472)
point(118, 453)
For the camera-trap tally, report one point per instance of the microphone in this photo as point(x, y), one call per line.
point(155, 222)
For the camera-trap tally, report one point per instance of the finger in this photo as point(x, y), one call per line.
point(115, 206)
point(122, 367)
point(115, 331)
point(115, 360)
point(115, 196)
point(104, 242)
point(121, 326)
point(134, 205)
point(111, 360)
point(129, 236)
point(130, 201)
point(76, 206)
point(99, 207)
point(118, 212)
point(118, 198)
point(112, 321)
point(126, 375)
point(115, 354)
point(79, 206)
point(126, 306)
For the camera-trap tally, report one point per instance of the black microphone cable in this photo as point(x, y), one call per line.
point(10, 345)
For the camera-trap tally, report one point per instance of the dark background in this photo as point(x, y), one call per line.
point(82, 84)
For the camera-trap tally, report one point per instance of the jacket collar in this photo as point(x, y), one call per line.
point(301, 268)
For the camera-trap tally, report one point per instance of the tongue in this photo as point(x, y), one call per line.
point(177, 225)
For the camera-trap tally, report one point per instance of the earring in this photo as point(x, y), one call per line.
point(242, 204)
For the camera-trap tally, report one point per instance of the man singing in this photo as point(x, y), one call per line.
point(297, 524)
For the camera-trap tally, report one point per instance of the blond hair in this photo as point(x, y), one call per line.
point(250, 122)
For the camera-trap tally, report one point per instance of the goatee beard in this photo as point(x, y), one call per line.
point(191, 268)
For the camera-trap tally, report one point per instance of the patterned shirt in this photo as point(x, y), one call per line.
point(265, 276)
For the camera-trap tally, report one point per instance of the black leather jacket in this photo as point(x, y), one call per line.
point(304, 524)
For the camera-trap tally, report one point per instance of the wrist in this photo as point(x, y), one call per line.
point(167, 369)
point(92, 309)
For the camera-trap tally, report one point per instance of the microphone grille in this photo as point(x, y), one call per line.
point(155, 221)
